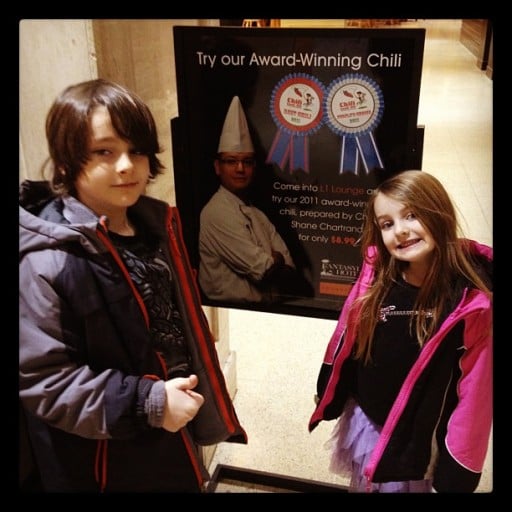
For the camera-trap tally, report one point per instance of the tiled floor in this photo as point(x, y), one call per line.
point(278, 356)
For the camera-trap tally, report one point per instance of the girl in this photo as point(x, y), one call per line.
point(408, 369)
point(119, 376)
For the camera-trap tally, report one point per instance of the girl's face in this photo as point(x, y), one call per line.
point(116, 174)
point(402, 233)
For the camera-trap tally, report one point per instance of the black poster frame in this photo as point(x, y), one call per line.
point(213, 64)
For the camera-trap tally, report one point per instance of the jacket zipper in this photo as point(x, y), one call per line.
point(101, 451)
point(110, 246)
point(100, 464)
point(207, 348)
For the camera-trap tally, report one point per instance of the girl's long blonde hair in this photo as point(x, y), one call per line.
point(427, 198)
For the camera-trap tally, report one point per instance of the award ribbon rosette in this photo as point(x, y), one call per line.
point(353, 108)
point(296, 108)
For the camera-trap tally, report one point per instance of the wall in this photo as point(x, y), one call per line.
point(53, 55)
point(476, 35)
point(140, 55)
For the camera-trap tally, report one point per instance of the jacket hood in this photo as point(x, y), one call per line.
point(48, 221)
point(483, 261)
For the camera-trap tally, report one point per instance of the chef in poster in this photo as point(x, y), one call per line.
point(243, 258)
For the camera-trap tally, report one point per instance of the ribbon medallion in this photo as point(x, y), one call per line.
point(296, 106)
point(353, 108)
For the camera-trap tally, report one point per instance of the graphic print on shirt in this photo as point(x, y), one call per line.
point(392, 311)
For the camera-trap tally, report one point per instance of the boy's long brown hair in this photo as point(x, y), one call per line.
point(427, 198)
point(68, 129)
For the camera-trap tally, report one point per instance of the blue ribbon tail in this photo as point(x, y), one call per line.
point(299, 155)
point(349, 158)
point(369, 152)
point(280, 149)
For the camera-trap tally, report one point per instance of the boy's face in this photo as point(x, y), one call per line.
point(116, 174)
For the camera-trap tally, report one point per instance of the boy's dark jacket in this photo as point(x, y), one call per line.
point(86, 363)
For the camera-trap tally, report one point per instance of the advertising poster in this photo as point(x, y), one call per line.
point(331, 113)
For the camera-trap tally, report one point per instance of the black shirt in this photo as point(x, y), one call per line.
point(394, 351)
point(153, 279)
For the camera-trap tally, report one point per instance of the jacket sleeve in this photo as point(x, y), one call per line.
point(330, 397)
point(55, 385)
point(360, 286)
point(216, 420)
point(276, 240)
point(224, 232)
point(462, 453)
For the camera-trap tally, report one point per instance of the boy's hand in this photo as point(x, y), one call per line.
point(182, 402)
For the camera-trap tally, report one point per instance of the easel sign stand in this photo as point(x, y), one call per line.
point(332, 112)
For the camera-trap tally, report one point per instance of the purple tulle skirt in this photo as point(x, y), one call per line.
point(351, 445)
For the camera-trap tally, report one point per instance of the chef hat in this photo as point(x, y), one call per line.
point(235, 132)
